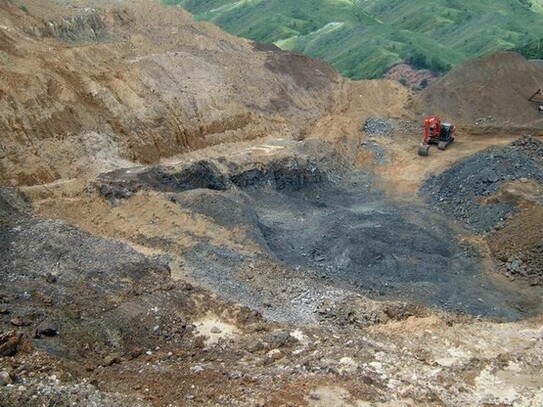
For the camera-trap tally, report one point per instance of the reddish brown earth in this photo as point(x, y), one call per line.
point(111, 276)
point(411, 77)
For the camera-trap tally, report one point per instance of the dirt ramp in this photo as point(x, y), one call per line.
point(492, 90)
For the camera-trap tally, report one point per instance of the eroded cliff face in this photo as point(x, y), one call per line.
point(89, 88)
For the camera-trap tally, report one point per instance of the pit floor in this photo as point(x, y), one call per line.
point(350, 234)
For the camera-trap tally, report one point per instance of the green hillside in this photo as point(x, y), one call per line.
point(363, 38)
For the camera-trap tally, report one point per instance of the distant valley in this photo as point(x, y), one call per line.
point(365, 38)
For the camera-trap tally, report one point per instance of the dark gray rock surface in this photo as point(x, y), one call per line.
point(457, 192)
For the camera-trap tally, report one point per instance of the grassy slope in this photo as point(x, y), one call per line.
point(364, 38)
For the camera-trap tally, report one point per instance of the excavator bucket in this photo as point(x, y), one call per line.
point(424, 150)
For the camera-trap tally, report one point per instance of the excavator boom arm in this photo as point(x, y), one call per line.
point(539, 99)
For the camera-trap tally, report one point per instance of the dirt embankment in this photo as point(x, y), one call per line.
point(88, 89)
point(491, 91)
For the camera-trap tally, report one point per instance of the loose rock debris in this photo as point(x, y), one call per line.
point(273, 272)
point(458, 192)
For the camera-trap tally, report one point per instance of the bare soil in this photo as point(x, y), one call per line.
point(411, 77)
point(106, 86)
point(489, 91)
point(193, 219)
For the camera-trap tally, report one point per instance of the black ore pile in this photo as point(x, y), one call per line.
point(457, 192)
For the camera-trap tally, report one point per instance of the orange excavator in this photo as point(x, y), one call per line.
point(436, 132)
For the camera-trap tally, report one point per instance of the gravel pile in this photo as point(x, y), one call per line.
point(457, 192)
point(62, 286)
point(378, 126)
point(527, 265)
point(531, 146)
point(518, 246)
point(379, 153)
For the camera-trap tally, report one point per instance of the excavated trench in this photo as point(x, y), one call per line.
point(350, 234)
point(333, 228)
point(346, 234)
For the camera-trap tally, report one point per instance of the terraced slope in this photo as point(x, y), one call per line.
point(82, 89)
point(363, 39)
